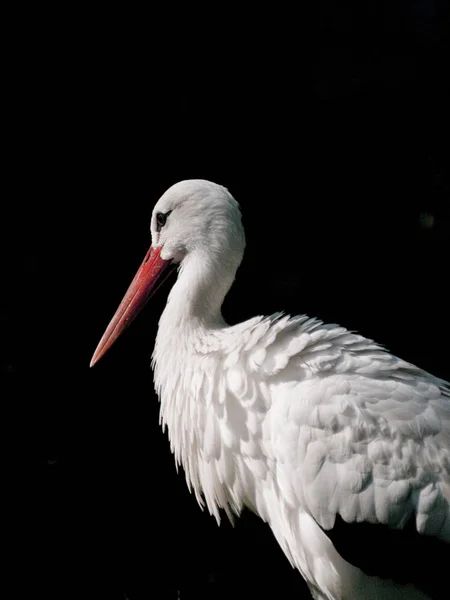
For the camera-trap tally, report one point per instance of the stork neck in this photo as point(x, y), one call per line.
point(197, 296)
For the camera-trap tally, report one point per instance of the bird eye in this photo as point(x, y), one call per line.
point(161, 219)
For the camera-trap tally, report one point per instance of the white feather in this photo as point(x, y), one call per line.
point(298, 420)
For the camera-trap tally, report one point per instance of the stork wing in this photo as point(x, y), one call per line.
point(354, 431)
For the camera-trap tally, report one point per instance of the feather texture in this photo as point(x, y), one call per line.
point(322, 423)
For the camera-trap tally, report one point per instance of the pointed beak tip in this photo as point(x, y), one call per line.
point(99, 352)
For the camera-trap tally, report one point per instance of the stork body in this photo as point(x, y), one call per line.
point(299, 421)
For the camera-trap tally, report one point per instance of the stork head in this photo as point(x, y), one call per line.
point(194, 221)
point(197, 216)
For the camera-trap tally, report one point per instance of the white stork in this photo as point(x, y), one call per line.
point(310, 426)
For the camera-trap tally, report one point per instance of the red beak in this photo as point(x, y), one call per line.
point(145, 283)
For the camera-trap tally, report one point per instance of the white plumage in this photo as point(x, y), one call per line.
point(297, 420)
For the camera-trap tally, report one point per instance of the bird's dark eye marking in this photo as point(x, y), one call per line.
point(161, 219)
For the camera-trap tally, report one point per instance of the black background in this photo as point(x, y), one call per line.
point(327, 125)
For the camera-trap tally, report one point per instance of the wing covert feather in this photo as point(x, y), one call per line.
point(359, 432)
